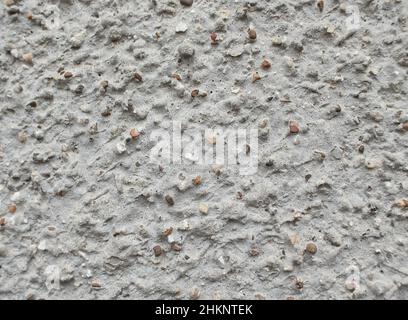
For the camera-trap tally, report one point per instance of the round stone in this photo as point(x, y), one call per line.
point(187, 3)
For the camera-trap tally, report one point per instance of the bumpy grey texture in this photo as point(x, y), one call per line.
point(83, 212)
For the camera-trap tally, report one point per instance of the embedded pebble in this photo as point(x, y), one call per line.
point(186, 50)
point(78, 39)
point(277, 41)
point(197, 181)
point(403, 203)
point(333, 238)
point(294, 127)
point(320, 5)
point(121, 147)
point(22, 136)
point(373, 163)
point(181, 27)
point(85, 108)
point(28, 58)
point(330, 29)
point(195, 294)
point(12, 208)
point(187, 3)
point(157, 251)
point(256, 77)
point(252, 34)
point(311, 248)
point(203, 208)
point(170, 200)
point(68, 74)
point(236, 51)
point(265, 64)
point(134, 134)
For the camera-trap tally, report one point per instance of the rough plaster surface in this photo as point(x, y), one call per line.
point(324, 217)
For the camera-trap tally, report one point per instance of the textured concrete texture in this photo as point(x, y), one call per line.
point(85, 214)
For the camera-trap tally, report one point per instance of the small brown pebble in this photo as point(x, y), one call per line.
point(95, 284)
point(68, 74)
point(137, 77)
point(361, 149)
point(176, 247)
point(187, 3)
point(214, 39)
point(263, 124)
point(254, 252)
point(28, 58)
point(2, 222)
point(285, 98)
point(299, 284)
point(104, 84)
point(311, 248)
point(320, 5)
point(256, 77)
point(195, 294)
point(259, 296)
point(403, 203)
point(61, 193)
point(265, 64)
point(107, 112)
point(239, 195)
point(176, 76)
point(12, 208)
point(195, 93)
point(294, 127)
point(169, 200)
point(134, 134)
point(252, 34)
point(157, 250)
point(168, 231)
point(29, 15)
point(32, 104)
point(405, 126)
point(197, 181)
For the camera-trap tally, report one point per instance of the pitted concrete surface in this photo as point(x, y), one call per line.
point(85, 214)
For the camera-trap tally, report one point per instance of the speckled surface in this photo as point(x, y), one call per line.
point(325, 215)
